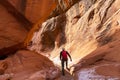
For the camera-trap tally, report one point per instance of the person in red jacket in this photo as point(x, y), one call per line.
point(64, 59)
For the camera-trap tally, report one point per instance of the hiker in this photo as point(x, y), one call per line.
point(64, 59)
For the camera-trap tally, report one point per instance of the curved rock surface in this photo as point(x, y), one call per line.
point(88, 29)
point(39, 9)
point(27, 65)
point(103, 63)
point(85, 27)
point(11, 31)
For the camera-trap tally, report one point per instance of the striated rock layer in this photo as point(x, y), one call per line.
point(87, 26)
point(38, 8)
point(103, 63)
point(11, 31)
point(33, 10)
point(88, 29)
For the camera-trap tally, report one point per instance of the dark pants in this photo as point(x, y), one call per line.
point(63, 62)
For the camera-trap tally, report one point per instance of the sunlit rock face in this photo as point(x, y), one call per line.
point(103, 63)
point(78, 27)
point(47, 9)
point(57, 25)
point(48, 34)
point(88, 29)
point(83, 28)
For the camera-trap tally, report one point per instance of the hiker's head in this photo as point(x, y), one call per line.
point(63, 49)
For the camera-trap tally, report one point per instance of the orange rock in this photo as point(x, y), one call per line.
point(28, 65)
point(11, 30)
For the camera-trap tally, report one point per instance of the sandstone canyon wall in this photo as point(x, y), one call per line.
point(11, 31)
point(88, 29)
point(16, 62)
point(86, 19)
point(86, 26)
point(33, 10)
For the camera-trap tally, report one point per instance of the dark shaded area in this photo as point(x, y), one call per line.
point(102, 39)
point(4, 52)
point(78, 16)
point(3, 57)
point(91, 15)
point(94, 1)
point(104, 17)
point(61, 22)
point(59, 10)
point(20, 5)
point(13, 11)
point(23, 5)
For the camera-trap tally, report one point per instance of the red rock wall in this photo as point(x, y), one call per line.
point(19, 5)
point(37, 9)
point(11, 30)
point(34, 10)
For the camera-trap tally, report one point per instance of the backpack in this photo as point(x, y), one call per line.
point(64, 55)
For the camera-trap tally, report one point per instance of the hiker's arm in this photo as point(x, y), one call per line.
point(60, 55)
point(69, 56)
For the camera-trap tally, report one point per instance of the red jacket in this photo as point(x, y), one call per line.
point(64, 54)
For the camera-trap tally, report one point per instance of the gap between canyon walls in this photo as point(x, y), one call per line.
point(80, 34)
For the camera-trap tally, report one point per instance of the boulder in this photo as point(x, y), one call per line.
point(27, 65)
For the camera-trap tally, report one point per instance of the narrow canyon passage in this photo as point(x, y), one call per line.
point(33, 33)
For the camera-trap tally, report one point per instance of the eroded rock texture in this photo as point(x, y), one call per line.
point(27, 65)
point(15, 64)
point(11, 31)
point(33, 10)
point(38, 9)
point(85, 27)
point(88, 29)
